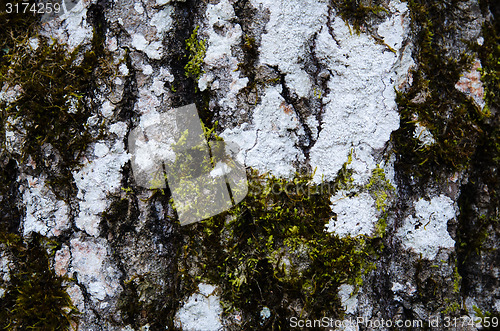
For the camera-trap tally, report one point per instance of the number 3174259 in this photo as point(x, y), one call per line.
point(35, 8)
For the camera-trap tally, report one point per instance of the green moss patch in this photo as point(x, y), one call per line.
point(52, 107)
point(489, 54)
point(35, 297)
point(357, 12)
point(12, 26)
point(433, 101)
point(196, 50)
point(56, 94)
point(272, 250)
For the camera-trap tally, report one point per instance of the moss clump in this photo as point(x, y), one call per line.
point(35, 297)
point(457, 280)
point(13, 25)
point(488, 321)
point(380, 189)
point(452, 307)
point(196, 49)
point(489, 55)
point(433, 101)
point(55, 93)
point(357, 12)
point(52, 107)
point(51, 101)
point(272, 250)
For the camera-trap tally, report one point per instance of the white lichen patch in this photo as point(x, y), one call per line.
point(348, 300)
point(162, 21)
point(147, 101)
point(148, 154)
point(201, 311)
point(360, 109)
point(92, 264)
point(427, 232)
point(9, 94)
point(222, 72)
point(395, 27)
point(355, 215)
point(71, 28)
point(6, 265)
point(95, 181)
point(270, 143)
point(151, 95)
point(153, 49)
point(15, 137)
point(406, 289)
point(146, 24)
point(362, 163)
point(45, 214)
point(159, 80)
point(291, 25)
point(397, 287)
point(139, 8)
point(107, 109)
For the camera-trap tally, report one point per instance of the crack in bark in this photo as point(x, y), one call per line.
point(293, 100)
point(329, 24)
point(319, 82)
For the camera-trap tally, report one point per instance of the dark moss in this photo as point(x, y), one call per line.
point(433, 101)
point(35, 297)
point(489, 54)
point(186, 51)
point(357, 12)
point(57, 93)
point(51, 106)
point(13, 26)
point(272, 251)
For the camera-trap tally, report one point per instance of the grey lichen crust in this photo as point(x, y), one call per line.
point(370, 133)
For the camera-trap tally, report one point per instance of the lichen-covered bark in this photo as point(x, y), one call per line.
point(370, 133)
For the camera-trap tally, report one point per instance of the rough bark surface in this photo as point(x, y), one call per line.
point(393, 105)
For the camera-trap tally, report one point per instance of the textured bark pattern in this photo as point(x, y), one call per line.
point(394, 101)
